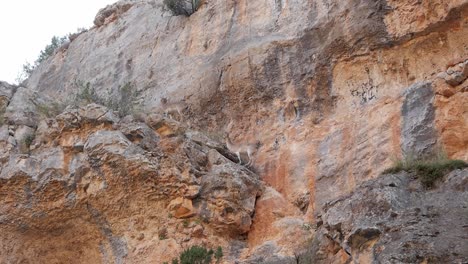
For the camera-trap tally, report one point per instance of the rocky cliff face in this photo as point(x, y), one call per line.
point(332, 92)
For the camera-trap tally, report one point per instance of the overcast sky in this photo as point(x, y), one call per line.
point(27, 26)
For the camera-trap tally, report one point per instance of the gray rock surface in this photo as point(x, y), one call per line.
point(418, 132)
point(393, 219)
point(6, 92)
point(214, 41)
point(318, 82)
point(88, 163)
point(457, 74)
point(22, 109)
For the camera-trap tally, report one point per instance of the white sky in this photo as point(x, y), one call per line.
point(27, 26)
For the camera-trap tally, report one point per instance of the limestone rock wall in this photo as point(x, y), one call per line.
point(91, 188)
point(393, 219)
point(333, 91)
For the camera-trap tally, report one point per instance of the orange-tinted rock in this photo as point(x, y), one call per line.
point(334, 91)
point(181, 208)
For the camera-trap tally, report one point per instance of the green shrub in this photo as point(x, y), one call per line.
point(50, 110)
point(28, 140)
point(182, 7)
point(49, 50)
point(26, 143)
point(196, 255)
point(123, 103)
point(87, 94)
point(2, 117)
point(428, 170)
point(218, 254)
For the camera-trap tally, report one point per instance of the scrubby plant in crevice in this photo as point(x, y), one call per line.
point(86, 94)
point(26, 142)
point(198, 255)
point(2, 117)
point(428, 169)
point(123, 102)
point(218, 254)
point(51, 109)
point(182, 7)
point(48, 51)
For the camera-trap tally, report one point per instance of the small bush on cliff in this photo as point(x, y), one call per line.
point(196, 255)
point(87, 94)
point(182, 7)
point(26, 143)
point(428, 170)
point(49, 50)
point(2, 117)
point(218, 254)
point(123, 103)
point(51, 109)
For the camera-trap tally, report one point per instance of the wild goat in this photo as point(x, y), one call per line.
point(170, 109)
point(238, 149)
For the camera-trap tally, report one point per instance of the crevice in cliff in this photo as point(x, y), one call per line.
point(117, 244)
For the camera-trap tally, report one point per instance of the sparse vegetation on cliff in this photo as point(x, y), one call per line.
point(198, 255)
point(218, 254)
point(428, 170)
point(123, 103)
point(2, 117)
point(49, 50)
point(182, 7)
point(50, 110)
point(26, 143)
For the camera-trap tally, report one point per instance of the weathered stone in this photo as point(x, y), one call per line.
point(229, 211)
point(140, 134)
point(7, 144)
point(269, 254)
point(393, 218)
point(182, 208)
point(22, 108)
point(89, 114)
point(418, 133)
point(24, 136)
point(457, 74)
point(112, 12)
point(192, 192)
point(320, 84)
point(6, 92)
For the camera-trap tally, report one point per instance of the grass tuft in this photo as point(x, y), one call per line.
point(428, 170)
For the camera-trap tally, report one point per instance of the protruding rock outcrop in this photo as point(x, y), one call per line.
point(88, 167)
point(394, 219)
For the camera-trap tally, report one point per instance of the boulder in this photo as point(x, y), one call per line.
point(395, 219)
point(22, 109)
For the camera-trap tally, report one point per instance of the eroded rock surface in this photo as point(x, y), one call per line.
point(393, 219)
point(108, 188)
point(333, 92)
